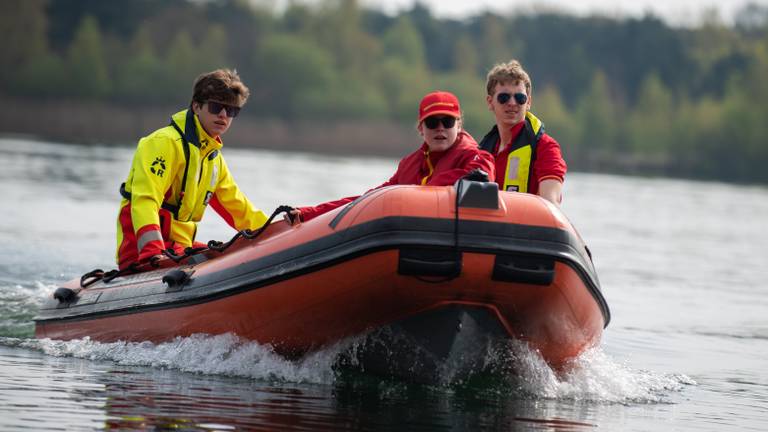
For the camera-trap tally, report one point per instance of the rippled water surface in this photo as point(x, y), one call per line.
point(683, 266)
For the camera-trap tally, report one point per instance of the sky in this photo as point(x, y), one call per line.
point(675, 12)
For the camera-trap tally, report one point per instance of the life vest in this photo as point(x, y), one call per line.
point(199, 165)
point(521, 155)
point(186, 138)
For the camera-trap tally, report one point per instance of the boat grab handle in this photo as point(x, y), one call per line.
point(428, 262)
point(524, 269)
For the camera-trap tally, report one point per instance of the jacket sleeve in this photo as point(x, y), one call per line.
point(232, 205)
point(311, 212)
point(154, 167)
point(549, 163)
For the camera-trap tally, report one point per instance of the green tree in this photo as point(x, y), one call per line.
point(142, 76)
point(183, 63)
point(339, 30)
point(403, 41)
point(651, 122)
point(743, 153)
point(548, 106)
point(402, 85)
point(213, 49)
point(300, 75)
point(403, 75)
point(698, 132)
point(494, 44)
point(24, 40)
point(466, 60)
point(41, 77)
point(471, 93)
point(598, 119)
point(88, 74)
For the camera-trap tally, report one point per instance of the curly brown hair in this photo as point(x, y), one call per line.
point(509, 72)
point(221, 85)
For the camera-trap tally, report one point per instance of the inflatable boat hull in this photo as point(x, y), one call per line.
point(394, 258)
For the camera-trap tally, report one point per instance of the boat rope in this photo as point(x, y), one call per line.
point(96, 275)
point(100, 275)
point(246, 233)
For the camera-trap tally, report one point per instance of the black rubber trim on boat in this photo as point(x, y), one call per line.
point(390, 233)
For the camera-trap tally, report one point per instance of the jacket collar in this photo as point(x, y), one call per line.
point(194, 133)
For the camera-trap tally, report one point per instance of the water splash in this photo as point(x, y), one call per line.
point(592, 377)
point(511, 369)
point(225, 354)
point(19, 305)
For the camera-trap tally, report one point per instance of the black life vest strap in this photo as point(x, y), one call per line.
point(186, 167)
point(170, 207)
point(489, 140)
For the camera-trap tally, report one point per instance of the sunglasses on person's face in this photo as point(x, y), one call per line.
point(520, 98)
point(432, 122)
point(216, 107)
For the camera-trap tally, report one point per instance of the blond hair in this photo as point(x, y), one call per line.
point(504, 73)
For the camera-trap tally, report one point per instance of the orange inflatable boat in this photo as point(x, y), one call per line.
point(446, 269)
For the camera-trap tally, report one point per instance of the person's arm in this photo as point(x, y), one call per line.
point(310, 212)
point(550, 170)
point(304, 214)
point(233, 206)
point(552, 190)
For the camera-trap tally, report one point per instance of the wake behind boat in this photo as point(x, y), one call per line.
point(432, 272)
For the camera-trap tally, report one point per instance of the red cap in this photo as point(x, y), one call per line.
point(439, 102)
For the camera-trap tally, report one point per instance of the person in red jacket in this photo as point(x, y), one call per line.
point(447, 153)
point(526, 158)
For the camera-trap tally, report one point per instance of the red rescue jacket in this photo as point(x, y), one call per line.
point(447, 167)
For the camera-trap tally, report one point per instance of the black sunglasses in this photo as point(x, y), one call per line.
point(432, 122)
point(520, 98)
point(216, 107)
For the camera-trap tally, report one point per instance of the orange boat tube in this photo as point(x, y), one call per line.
point(432, 262)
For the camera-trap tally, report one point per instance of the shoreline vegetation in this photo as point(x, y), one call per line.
point(621, 95)
point(88, 123)
point(98, 123)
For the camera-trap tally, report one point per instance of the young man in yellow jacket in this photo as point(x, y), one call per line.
point(177, 171)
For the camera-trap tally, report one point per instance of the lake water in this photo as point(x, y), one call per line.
point(683, 265)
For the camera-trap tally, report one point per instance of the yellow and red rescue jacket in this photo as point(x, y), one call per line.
point(177, 171)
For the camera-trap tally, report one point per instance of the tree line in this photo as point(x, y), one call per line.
point(621, 95)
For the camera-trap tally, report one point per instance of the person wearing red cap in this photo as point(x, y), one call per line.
point(526, 158)
point(447, 153)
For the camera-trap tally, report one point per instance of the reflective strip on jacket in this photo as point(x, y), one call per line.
point(155, 181)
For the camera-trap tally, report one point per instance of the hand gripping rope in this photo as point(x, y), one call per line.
point(99, 274)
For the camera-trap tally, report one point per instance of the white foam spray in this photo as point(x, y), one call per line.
point(592, 377)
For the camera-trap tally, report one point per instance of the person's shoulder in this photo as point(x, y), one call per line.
point(549, 157)
point(416, 154)
point(164, 140)
point(547, 140)
point(167, 134)
point(466, 143)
